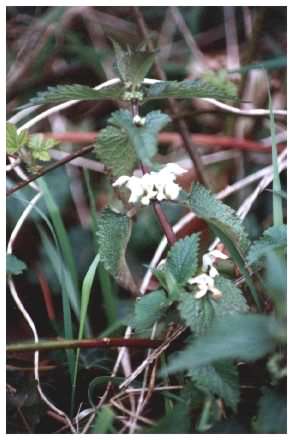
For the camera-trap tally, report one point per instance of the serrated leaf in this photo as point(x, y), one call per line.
point(113, 232)
point(76, 91)
point(132, 65)
point(272, 413)
point(216, 213)
point(188, 89)
point(273, 239)
point(149, 309)
point(198, 314)
point(121, 143)
point(144, 138)
point(14, 140)
point(246, 337)
point(232, 300)
point(39, 146)
point(116, 151)
point(14, 266)
point(182, 259)
point(220, 378)
point(220, 80)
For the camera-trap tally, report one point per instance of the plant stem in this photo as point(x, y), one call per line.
point(179, 123)
point(167, 228)
point(84, 343)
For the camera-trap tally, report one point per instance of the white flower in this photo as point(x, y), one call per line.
point(172, 168)
point(121, 180)
point(154, 185)
point(209, 259)
point(172, 190)
point(205, 284)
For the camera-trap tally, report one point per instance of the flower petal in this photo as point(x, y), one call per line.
point(201, 292)
point(121, 181)
point(218, 254)
point(213, 272)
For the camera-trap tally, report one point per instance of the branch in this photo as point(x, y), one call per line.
point(52, 167)
point(84, 343)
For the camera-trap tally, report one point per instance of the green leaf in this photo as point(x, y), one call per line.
point(272, 413)
point(221, 379)
point(39, 146)
point(182, 259)
point(221, 82)
point(103, 421)
point(216, 213)
point(14, 266)
point(149, 309)
point(232, 300)
point(168, 282)
point(14, 140)
point(113, 234)
point(144, 138)
point(76, 91)
point(225, 224)
point(121, 143)
point(276, 282)
point(189, 89)
point(246, 337)
point(132, 65)
point(177, 421)
point(273, 239)
point(116, 151)
point(198, 314)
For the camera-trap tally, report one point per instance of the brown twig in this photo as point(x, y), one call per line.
point(84, 343)
point(179, 123)
point(52, 167)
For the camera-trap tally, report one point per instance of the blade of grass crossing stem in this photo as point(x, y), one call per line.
point(67, 319)
point(85, 297)
point(277, 200)
point(107, 286)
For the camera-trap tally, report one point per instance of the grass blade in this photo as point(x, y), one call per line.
point(85, 297)
point(277, 200)
point(62, 235)
point(107, 287)
point(57, 263)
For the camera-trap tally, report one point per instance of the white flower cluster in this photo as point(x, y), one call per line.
point(154, 185)
point(205, 282)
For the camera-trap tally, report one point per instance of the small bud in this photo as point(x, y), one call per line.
point(138, 121)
